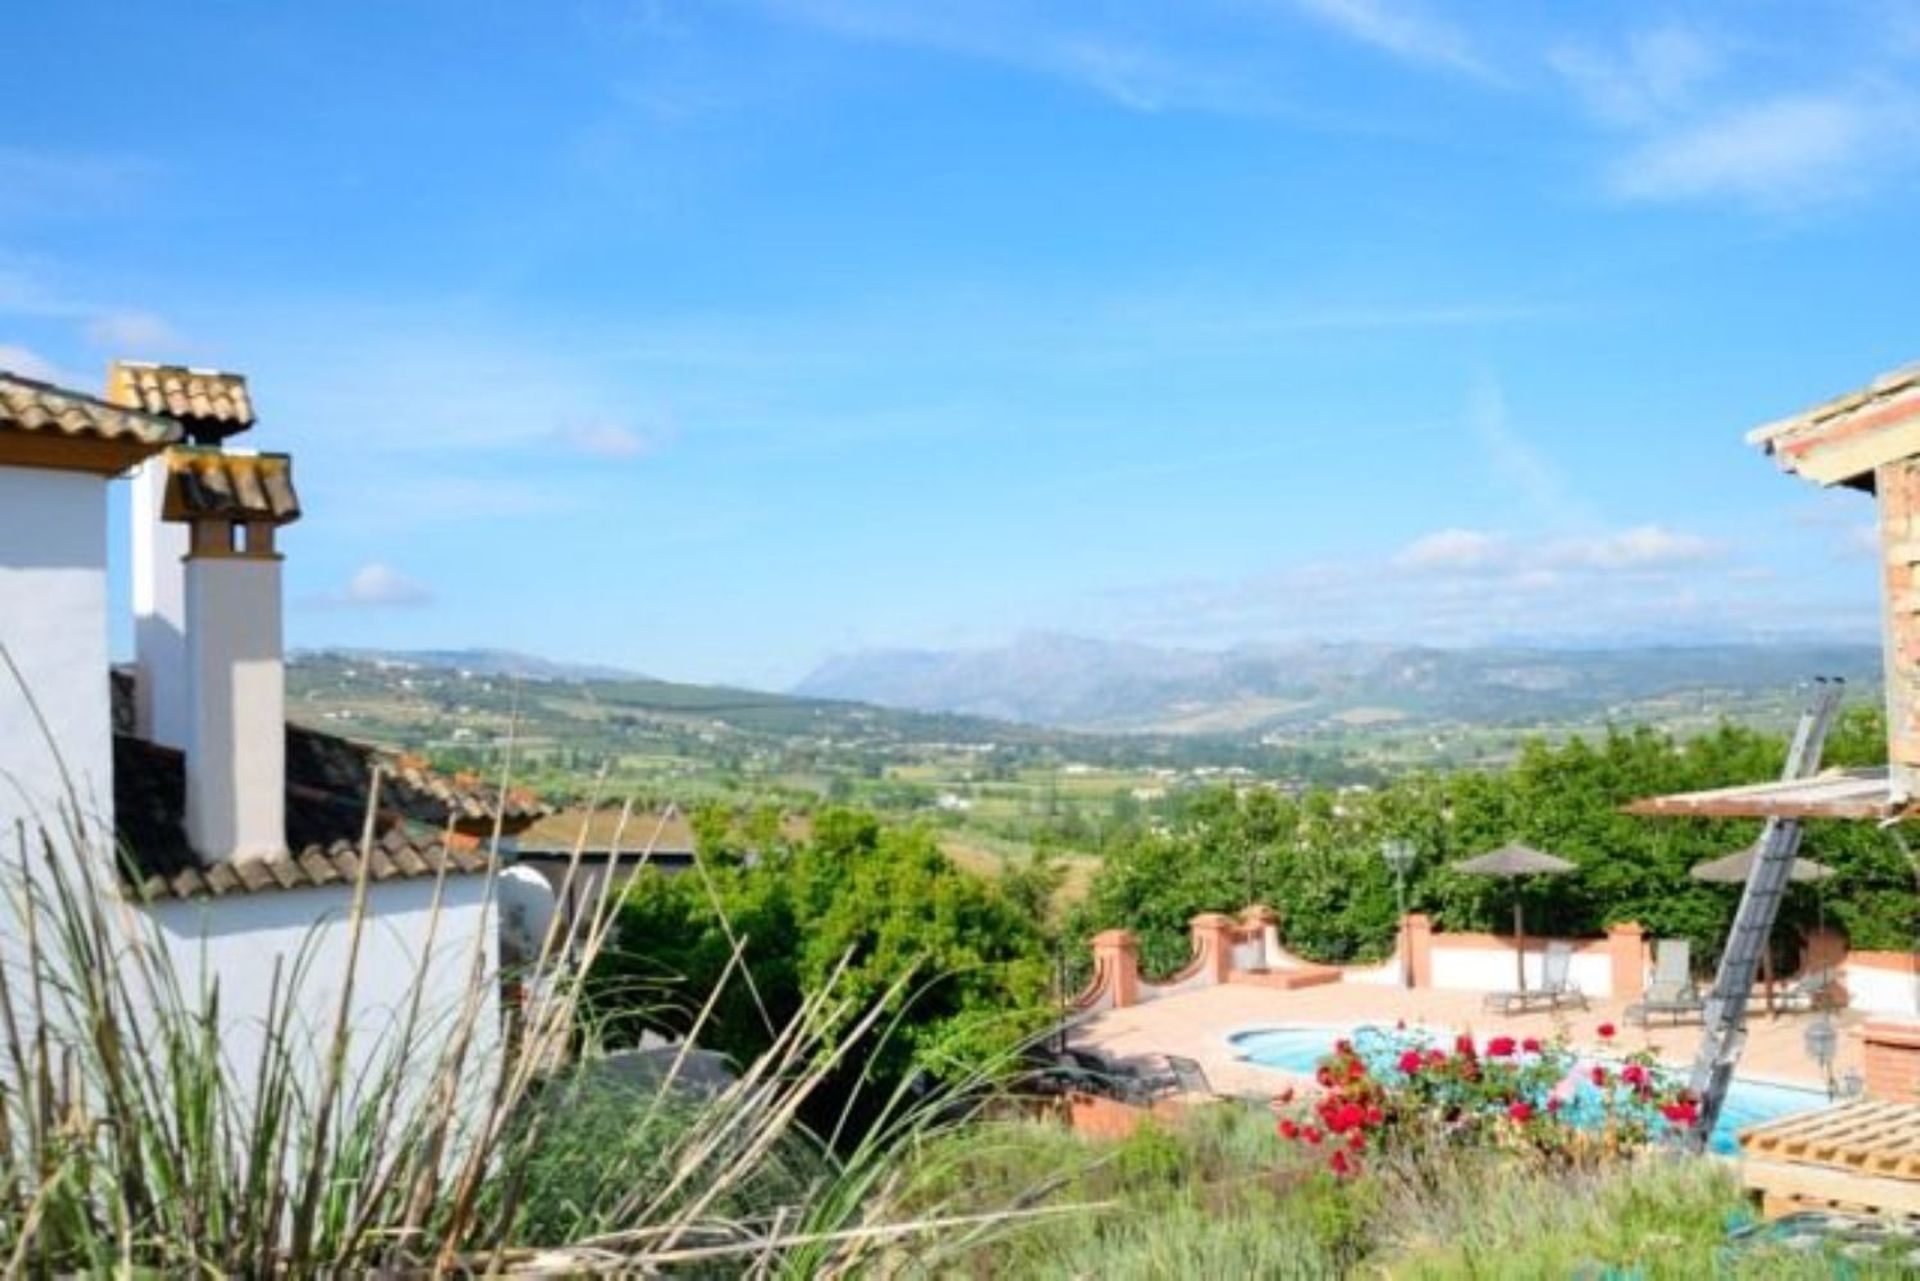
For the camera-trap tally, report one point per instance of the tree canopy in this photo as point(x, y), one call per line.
point(1316, 857)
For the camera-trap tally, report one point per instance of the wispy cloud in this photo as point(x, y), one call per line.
point(1791, 151)
point(15, 359)
point(41, 183)
point(1657, 73)
point(1462, 586)
point(1513, 457)
point(608, 439)
point(376, 585)
point(1483, 552)
point(1401, 29)
point(135, 334)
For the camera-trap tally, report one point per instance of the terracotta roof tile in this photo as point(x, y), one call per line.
point(211, 405)
point(239, 487)
point(28, 405)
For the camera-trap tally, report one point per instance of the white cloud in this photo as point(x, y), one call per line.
point(136, 335)
point(31, 364)
point(1453, 549)
point(1659, 72)
point(379, 586)
point(1796, 150)
point(1399, 29)
point(1538, 562)
point(1642, 547)
point(1514, 459)
point(605, 438)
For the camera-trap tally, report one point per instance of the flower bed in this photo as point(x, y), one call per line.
point(1381, 1089)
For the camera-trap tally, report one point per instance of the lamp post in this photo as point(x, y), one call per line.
point(1823, 1043)
point(1399, 855)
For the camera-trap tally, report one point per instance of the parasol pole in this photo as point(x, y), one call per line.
point(1519, 939)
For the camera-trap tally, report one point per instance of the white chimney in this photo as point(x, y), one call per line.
point(235, 665)
point(210, 407)
point(159, 612)
point(236, 719)
point(231, 504)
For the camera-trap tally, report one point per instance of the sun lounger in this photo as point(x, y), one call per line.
point(1122, 1081)
point(1814, 990)
point(1189, 1077)
point(1673, 992)
point(1556, 991)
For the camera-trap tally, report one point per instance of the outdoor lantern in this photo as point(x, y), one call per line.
point(1823, 1042)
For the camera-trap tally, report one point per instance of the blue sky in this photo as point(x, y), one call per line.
point(709, 339)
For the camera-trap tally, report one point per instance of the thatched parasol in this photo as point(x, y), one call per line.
point(1734, 868)
point(1513, 862)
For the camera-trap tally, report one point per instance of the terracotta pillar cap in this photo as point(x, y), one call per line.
point(1115, 938)
point(1213, 920)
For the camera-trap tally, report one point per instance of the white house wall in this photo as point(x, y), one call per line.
point(1882, 991)
point(1480, 969)
point(238, 939)
point(53, 622)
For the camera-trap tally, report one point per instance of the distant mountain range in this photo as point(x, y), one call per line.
point(1072, 682)
point(480, 662)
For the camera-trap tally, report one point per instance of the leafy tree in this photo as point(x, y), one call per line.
point(882, 900)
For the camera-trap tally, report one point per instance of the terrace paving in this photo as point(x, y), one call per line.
point(1197, 1024)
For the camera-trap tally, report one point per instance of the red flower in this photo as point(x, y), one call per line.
point(1410, 1061)
point(1520, 1110)
point(1606, 1031)
point(1355, 1069)
point(1553, 1106)
point(1374, 1115)
point(1599, 1075)
point(1324, 1075)
point(1436, 1057)
point(1463, 1046)
point(1681, 1113)
point(1340, 1165)
point(1634, 1074)
point(1343, 1046)
point(1311, 1136)
point(1500, 1047)
point(1284, 1097)
point(1531, 1045)
point(1289, 1128)
point(1356, 1141)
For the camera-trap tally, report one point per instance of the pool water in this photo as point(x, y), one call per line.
point(1299, 1050)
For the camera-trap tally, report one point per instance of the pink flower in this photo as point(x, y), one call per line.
point(1634, 1074)
point(1531, 1045)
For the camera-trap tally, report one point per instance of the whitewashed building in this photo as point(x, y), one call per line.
point(206, 816)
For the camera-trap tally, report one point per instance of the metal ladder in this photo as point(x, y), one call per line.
point(1725, 1033)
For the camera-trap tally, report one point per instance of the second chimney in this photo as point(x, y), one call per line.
point(232, 504)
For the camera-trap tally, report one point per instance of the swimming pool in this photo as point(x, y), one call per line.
point(1299, 1049)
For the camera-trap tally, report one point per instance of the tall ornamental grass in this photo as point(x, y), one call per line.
point(130, 1143)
